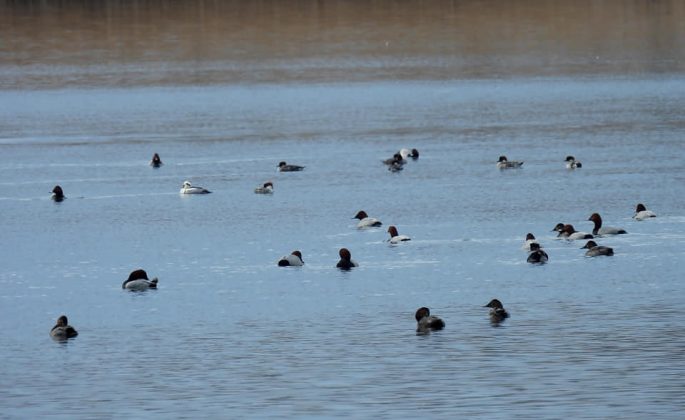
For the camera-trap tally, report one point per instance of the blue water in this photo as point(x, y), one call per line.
point(230, 334)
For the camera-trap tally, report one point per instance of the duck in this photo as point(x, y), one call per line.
point(530, 239)
point(138, 280)
point(570, 233)
point(414, 154)
point(156, 162)
point(62, 330)
point(405, 153)
point(425, 322)
point(346, 261)
point(537, 255)
point(641, 212)
point(284, 167)
point(396, 238)
point(58, 194)
point(292, 260)
point(365, 221)
point(395, 159)
point(599, 230)
point(593, 250)
point(504, 163)
point(266, 188)
point(190, 189)
point(497, 311)
point(572, 163)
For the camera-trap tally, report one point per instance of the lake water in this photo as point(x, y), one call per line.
point(223, 92)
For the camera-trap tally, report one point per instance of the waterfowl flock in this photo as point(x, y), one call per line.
point(138, 279)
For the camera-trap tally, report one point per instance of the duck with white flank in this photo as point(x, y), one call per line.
point(572, 163)
point(530, 239)
point(641, 213)
point(497, 311)
point(607, 230)
point(138, 280)
point(594, 250)
point(267, 188)
point(346, 262)
point(62, 330)
point(58, 194)
point(504, 163)
point(396, 238)
point(425, 322)
point(292, 260)
point(537, 255)
point(365, 221)
point(188, 188)
point(569, 232)
point(284, 167)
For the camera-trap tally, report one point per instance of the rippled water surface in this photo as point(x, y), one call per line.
point(224, 92)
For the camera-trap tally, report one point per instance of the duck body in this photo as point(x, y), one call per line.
point(292, 260)
point(62, 330)
point(425, 322)
point(504, 163)
point(572, 163)
point(188, 188)
point(346, 262)
point(156, 161)
point(569, 232)
point(537, 255)
point(267, 188)
point(594, 250)
point(58, 194)
point(138, 280)
point(606, 230)
point(396, 238)
point(284, 167)
point(365, 221)
point(497, 311)
point(641, 213)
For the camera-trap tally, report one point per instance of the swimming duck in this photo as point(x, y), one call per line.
point(138, 280)
point(497, 311)
point(530, 239)
point(267, 188)
point(365, 221)
point(414, 154)
point(503, 163)
point(395, 159)
point(641, 212)
point(284, 167)
point(572, 163)
point(346, 261)
point(594, 250)
point(537, 255)
point(58, 194)
point(570, 233)
point(62, 330)
point(292, 260)
point(599, 230)
point(189, 189)
point(156, 162)
point(396, 238)
point(426, 323)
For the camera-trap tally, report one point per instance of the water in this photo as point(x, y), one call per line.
point(230, 334)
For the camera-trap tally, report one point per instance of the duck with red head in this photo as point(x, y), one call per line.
point(641, 213)
point(138, 280)
point(497, 311)
point(266, 188)
point(292, 260)
point(396, 238)
point(426, 323)
point(594, 250)
point(606, 230)
point(570, 233)
point(156, 161)
point(346, 262)
point(365, 221)
point(58, 194)
point(537, 255)
point(62, 330)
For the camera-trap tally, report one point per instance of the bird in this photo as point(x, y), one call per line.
point(572, 163)
point(607, 230)
point(504, 163)
point(426, 323)
point(594, 250)
point(346, 261)
point(530, 239)
point(537, 255)
point(365, 221)
point(62, 330)
point(294, 260)
point(284, 167)
point(641, 212)
point(497, 311)
point(138, 280)
point(396, 238)
point(188, 188)
point(267, 188)
point(156, 162)
point(57, 194)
